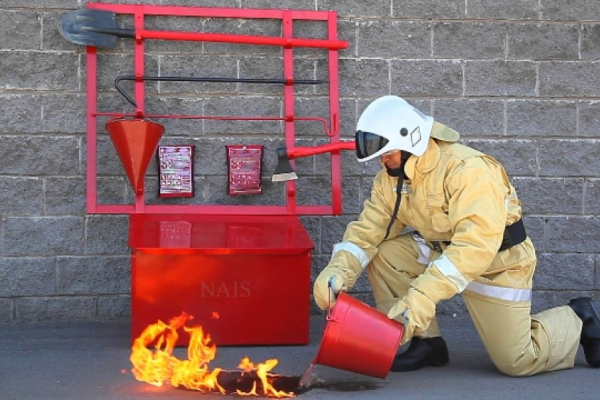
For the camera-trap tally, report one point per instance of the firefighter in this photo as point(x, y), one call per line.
point(444, 219)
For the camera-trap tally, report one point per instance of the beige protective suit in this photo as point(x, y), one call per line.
point(462, 198)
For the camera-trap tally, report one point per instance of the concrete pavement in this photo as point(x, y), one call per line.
point(91, 361)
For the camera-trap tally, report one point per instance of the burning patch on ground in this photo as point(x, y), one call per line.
point(153, 362)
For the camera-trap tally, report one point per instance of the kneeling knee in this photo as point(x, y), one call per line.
point(514, 370)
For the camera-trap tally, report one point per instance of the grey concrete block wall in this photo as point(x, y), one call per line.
point(518, 79)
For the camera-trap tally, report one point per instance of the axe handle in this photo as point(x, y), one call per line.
point(298, 152)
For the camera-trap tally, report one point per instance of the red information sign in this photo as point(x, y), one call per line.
point(175, 171)
point(244, 164)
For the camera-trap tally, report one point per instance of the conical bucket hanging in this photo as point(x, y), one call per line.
point(136, 141)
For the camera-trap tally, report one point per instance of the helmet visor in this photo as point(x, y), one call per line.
point(368, 143)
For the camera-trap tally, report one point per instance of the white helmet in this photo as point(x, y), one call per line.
point(390, 123)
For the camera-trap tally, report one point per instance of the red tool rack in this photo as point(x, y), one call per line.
point(242, 271)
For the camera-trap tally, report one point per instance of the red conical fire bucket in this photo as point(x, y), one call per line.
point(136, 141)
point(359, 338)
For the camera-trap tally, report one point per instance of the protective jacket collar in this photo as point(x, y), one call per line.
point(431, 157)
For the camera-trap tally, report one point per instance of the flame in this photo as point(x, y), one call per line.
point(159, 365)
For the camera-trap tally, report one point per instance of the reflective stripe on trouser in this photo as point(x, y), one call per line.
point(392, 271)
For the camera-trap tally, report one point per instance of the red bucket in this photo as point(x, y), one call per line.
point(359, 338)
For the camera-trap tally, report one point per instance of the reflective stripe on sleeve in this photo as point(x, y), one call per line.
point(502, 293)
point(354, 250)
point(449, 270)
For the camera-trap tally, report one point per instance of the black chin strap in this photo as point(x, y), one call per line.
point(401, 177)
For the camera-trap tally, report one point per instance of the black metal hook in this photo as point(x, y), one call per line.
point(207, 79)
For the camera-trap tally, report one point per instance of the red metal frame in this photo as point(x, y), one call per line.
point(287, 42)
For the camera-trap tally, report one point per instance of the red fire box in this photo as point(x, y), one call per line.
point(245, 279)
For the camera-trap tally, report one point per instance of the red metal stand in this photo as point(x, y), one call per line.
point(243, 272)
point(287, 42)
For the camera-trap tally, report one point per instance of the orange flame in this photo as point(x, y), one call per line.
point(159, 365)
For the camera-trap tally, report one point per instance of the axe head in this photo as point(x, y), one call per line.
point(283, 171)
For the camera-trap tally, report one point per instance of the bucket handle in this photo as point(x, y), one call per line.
point(328, 316)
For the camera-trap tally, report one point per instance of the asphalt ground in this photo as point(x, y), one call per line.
point(91, 361)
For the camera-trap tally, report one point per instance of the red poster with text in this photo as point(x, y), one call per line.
point(175, 171)
point(244, 164)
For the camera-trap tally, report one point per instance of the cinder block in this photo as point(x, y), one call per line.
point(49, 236)
point(114, 307)
point(394, 39)
point(351, 195)
point(469, 40)
point(64, 4)
point(93, 275)
point(109, 162)
point(284, 4)
point(573, 10)
point(27, 277)
point(574, 234)
point(364, 78)
point(550, 195)
point(312, 224)
point(51, 39)
point(589, 118)
point(113, 65)
point(564, 272)
point(243, 107)
point(592, 197)
point(266, 27)
point(172, 105)
point(28, 70)
point(271, 68)
point(20, 30)
point(535, 226)
point(429, 9)
point(590, 41)
point(471, 116)
point(510, 9)
point(310, 190)
point(20, 113)
point(332, 231)
point(312, 107)
point(366, 185)
point(427, 78)
point(517, 156)
point(543, 41)
point(106, 234)
point(500, 78)
point(569, 79)
point(64, 113)
point(198, 66)
point(557, 158)
point(356, 8)
point(64, 196)
point(198, 3)
point(543, 300)
point(69, 308)
point(541, 118)
point(32, 155)
point(21, 196)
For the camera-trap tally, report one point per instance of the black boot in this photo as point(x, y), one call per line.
point(422, 353)
point(589, 313)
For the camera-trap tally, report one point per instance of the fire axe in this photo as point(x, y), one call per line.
point(285, 172)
